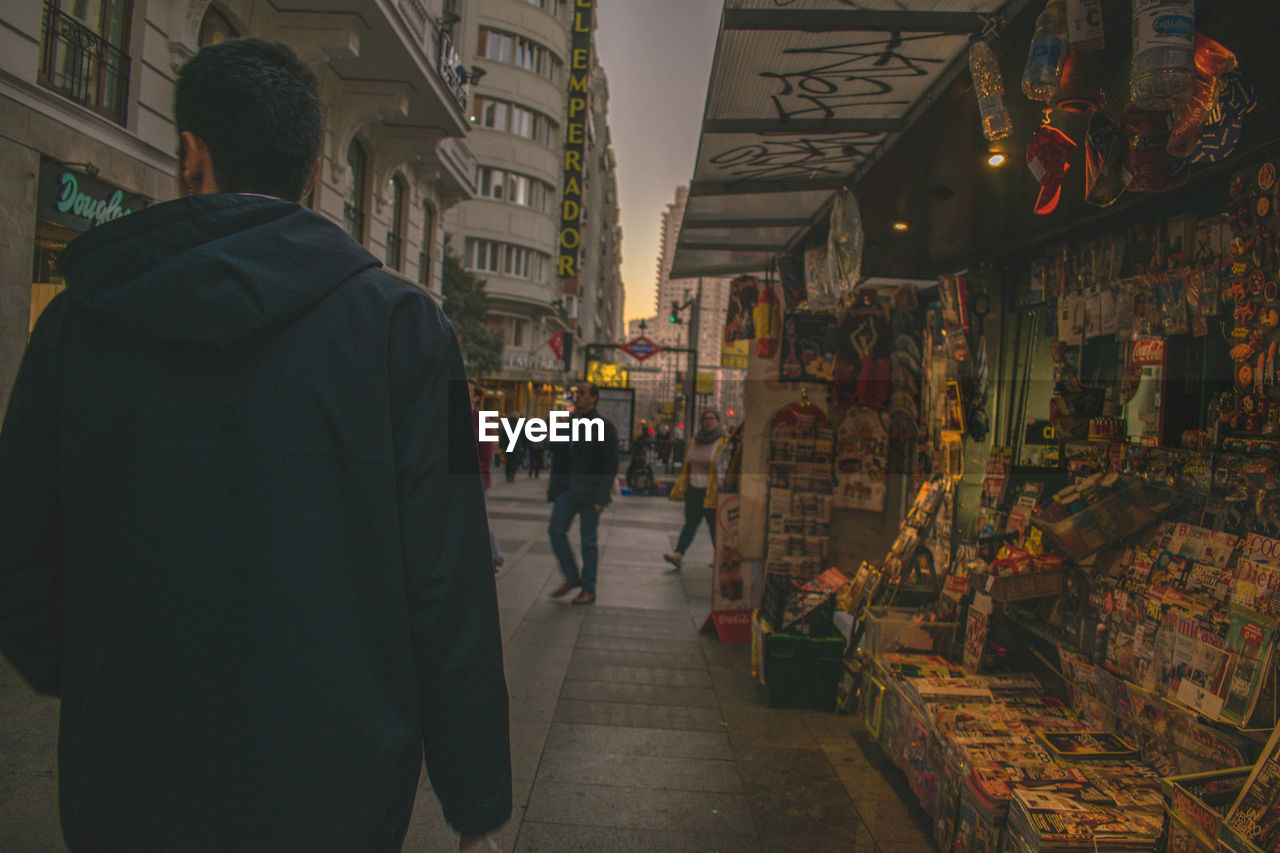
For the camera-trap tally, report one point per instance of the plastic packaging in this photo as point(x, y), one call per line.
point(1212, 61)
point(1048, 51)
point(844, 251)
point(1084, 26)
point(989, 87)
point(1163, 73)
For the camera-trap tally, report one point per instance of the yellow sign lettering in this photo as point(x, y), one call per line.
point(573, 161)
point(567, 267)
point(572, 187)
point(575, 132)
point(570, 238)
point(581, 59)
point(578, 83)
point(576, 106)
point(570, 211)
point(581, 23)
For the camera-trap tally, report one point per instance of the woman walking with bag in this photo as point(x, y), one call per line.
point(697, 484)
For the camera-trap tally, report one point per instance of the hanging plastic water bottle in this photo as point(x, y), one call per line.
point(1164, 40)
point(989, 88)
point(1048, 51)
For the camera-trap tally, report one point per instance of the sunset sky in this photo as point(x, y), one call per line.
point(657, 54)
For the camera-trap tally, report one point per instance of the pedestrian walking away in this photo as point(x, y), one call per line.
point(241, 512)
point(698, 482)
point(515, 456)
point(582, 475)
point(536, 451)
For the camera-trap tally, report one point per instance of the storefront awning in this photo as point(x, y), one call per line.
point(804, 97)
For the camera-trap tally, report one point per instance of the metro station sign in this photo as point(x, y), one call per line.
point(641, 348)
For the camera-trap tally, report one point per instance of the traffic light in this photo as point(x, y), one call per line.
point(680, 426)
point(675, 312)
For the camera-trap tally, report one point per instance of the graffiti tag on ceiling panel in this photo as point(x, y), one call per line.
point(778, 159)
point(849, 75)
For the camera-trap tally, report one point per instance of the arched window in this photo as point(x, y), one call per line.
point(428, 243)
point(353, 210)
point(215, 27)
point(395, 236)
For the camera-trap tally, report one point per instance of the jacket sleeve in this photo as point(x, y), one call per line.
point(31, 556)
point(609, 465)
point(452, 599)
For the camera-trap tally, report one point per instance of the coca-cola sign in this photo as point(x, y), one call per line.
point(1148, 351)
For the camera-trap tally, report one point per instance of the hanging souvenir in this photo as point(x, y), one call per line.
point(864, 343)
point(739, 325)
point(844, 246)
point(1105, 150)
point(1188, 120)
point(791, 277)
point(767, 322)
point(809, 343)
point(1047, 159)
point(862, 460)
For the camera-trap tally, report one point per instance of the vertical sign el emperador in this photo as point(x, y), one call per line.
point(575, 143)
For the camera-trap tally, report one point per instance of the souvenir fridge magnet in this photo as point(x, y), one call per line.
point(1266, 176)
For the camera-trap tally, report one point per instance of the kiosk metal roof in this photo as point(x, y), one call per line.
point(804, 96)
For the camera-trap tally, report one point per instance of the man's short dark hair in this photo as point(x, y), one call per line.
point(591, 389)
point(256, 106)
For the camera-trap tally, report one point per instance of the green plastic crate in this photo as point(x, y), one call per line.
point(803, 672)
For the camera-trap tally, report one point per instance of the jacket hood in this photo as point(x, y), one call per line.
point(210, 270)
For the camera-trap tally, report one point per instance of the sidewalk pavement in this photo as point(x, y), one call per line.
point(630, 731)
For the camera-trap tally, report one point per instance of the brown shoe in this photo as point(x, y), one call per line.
point(585, 597)
point(567, 586)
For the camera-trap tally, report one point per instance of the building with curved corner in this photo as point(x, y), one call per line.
point(509, 233)
point(86, 92)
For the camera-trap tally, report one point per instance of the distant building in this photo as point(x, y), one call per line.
point(86, 91)
point(510, 233)
point(714, 303)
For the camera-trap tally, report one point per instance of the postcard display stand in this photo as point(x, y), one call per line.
point(1164, 627)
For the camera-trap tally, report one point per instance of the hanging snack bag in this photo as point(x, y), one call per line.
point(1105, 150)
point(1149, 161)
point(1188, 120)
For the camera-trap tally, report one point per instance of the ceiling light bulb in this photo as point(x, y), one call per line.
point(995, 159)
point(899, 226)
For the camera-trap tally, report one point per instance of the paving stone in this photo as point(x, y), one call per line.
point(641, 675)
point(639, 694)
point(638, 741)
point(640, 771)
point(604, 657)
point(803, 834)
point(643, 716)
point(598, 805)
point(652, 645)
point(537, 837)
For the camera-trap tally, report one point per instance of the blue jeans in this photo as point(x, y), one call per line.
point(562, 512)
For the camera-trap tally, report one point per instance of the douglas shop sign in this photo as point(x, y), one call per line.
point(78, 201)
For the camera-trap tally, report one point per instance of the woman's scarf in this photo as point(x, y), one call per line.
point(706, 436)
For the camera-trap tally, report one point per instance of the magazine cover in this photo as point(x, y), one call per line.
point(1251, 637)
point(1254, 820)
point(1087, 744)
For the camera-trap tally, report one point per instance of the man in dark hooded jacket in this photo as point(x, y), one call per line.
point(241, 520)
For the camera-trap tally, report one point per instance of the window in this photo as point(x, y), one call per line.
point(511, 118)
point(84, 53)
point(520, 52)
point(395, 237)
point(513, 330)
point(215, 27)
point(428, 243)
point(501, 185)
point(551, 7)
point(353, 209)
point(506, 259)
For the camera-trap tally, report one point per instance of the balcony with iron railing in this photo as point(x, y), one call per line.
point(436, 42)
point(79, 63)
